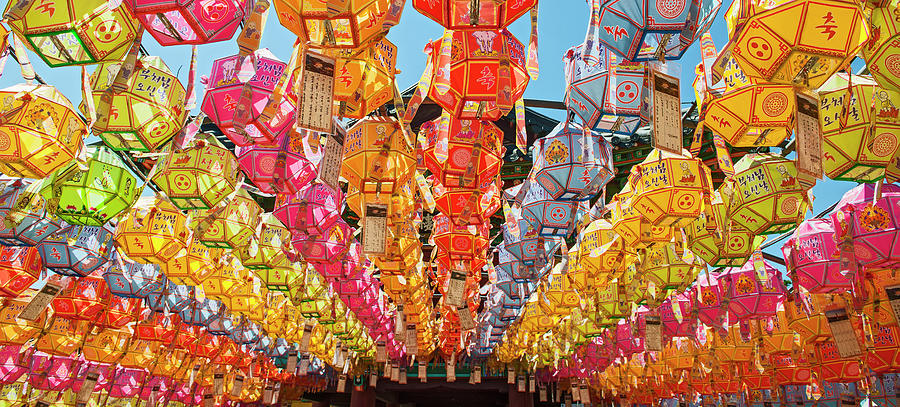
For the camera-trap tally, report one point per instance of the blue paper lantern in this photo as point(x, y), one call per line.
point(77, 251)
point(571, 164)
point(550, 217)
point(35, 225)
point(171, 298)
point(607, 93)
point(641, 30)
point(202, 312)
point(134, 280)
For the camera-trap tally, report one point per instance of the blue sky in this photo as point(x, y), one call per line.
point(562, 24)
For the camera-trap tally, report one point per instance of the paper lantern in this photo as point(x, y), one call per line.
point(881, 52)
point(198, 176)
point(636, 230)
point(717, 239)
point(378, 159)
point(478, 204)
point(63, 336)
point(95, 196)
point(269, 246)
point(134, 280)
point(172, 298)
point(347, 24)
point(884, 356)
point(402, 254)
point(606, 93)
point(776, 43)
point(458, 14)
point(862, 141)
point(767, 196)
point(669, 188)
point(754, 290)
point(813, 254)
point(478, 87)
point(613, 303)
point(16, 331)
point(233, 226)
point(20, 267)
point(751, 112)
point(666, 268)
point(201, 312)
point(331, 246)
point(146, 113)
point(42, 133)
point(675, 316)
point(550, 217)
point(194, 266)
point(152, 232)
point(222, 100)
point(459, 243)
point(812, 327)
point(106, 347)
point(573, 163)
point(869, 223)
point(463, 153)
point(75, 32)
point(51, 373)
point(35, 224)
point(363, 78)
point(641, 30)
point(82, 299)
point(314, 209)
point(261, 164)
point(77, 250)
point(175, 22)
point(833, 368)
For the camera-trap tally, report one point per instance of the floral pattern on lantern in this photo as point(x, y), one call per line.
point(462, 153)
point(573, 163)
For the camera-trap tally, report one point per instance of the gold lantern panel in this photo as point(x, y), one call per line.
point(378, 158)
point(199, 176)
point(334, 24)
point(766, 196)
point(669, 188)
point(364, 78)
point(231, 226)
point(153, 231)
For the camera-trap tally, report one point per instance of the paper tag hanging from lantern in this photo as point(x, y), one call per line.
point(466, 322)
point(304, 365)
point(842, 331)
point(542, 393)
point(193, 376)
point(87, 387)
point(477, 374)
point(267, 394)
point(399, 321)
point(520, 384)
point(380, 352)
point(342, 384)
point(532, 381)
point(304, 341)
point(291, 361)
point(402, 375)
point(510, 375)
point(208, 400)
point(375, 229)
point(218, 384)
point(451, 368)
point(423, 372)
point(576, 393)
point(154, 396)
point(456, 289)
point(667, 133)
point(893, 295)
point(316, 93)
point(395, 372)
point(237, 385)
point(276, 393)
point(40, 301)
point(330, 165)
point(585, 393)
point(373, 379)
point(412, 345)
point(726, 165)
point(653, 333)
point(808, 141)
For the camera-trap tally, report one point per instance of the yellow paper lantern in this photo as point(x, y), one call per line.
point(797, 42)
point(881, 54)
point(669, 189)
point(194, 266)
point(378, 159)
point(602, 250)
point(74, 32)
point(334, 24)
point(269, 247)
point(16, 331)
point(231, 226)
point(718, 240)
point(152, 232)
point(363, 78)
point(860, 122)
point(767, 198)
point(40, 133)
point(750, 112)
point(668, 267)
point(198, 176)
point(147, 113)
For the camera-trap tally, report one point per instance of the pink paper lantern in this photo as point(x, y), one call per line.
point(175, 22)
point(815, 257)
point(223, 99)
point(626, 343)
point(11, 363)
point(52, 373)
point(750, 296)
point(669, 316)
point(261, 164)
point(330, 246)
point(872, 226)
point(313, 210)
point(127, 382)
point(709, 306)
